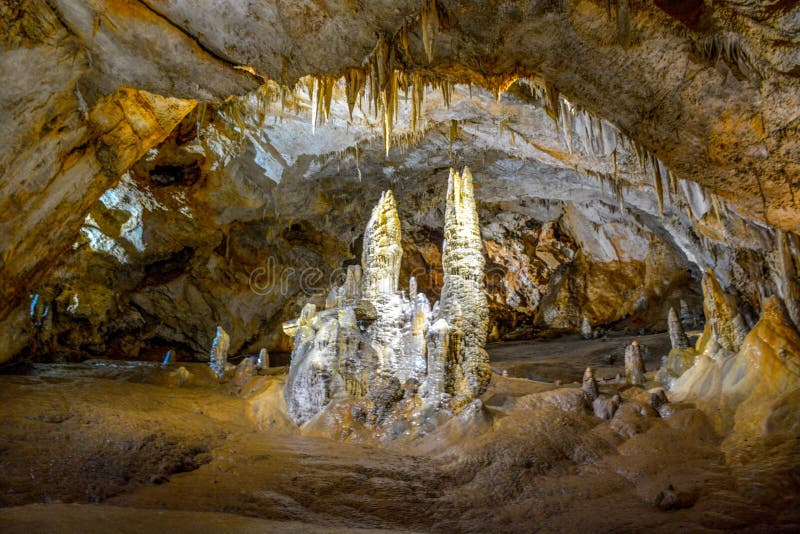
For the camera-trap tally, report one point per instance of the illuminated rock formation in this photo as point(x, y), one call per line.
point(750, 390)
point(463, 301)
point(725, 326)
point(372, 340)
point(263, 359)
point(382, 253)
point(218, 359)
point(634, 364)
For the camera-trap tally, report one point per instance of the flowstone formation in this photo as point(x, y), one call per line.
point(746, 380)
point(383, 355)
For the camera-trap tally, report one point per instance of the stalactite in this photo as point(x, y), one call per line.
point(429, 25)
point(201, 115)
point(355, 80)
point(551, 102)
point(453, 135)
point(657, 183)
point(447, 92)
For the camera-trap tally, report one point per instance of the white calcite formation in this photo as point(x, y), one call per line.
point(463, 300)
point(372, 341)
point(586, 328)
point(218, 359)
point(262, 362)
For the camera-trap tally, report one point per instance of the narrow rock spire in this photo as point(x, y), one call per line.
point(586, 328)
point(263, 359)
point(382, 249)
point(589, 385)
point(634, 365)
point(677, 336)
point(463, 303)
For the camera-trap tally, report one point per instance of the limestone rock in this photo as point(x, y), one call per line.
point(634, 364)
point(244, 371)
point(605, 407)
point(382, 249)
point(374, 344)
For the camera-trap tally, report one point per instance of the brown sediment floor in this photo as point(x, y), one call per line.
point(132, 451)
point(566, 358)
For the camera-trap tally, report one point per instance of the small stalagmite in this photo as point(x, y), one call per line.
point(263, 359)
point(634, 364)
point(682, 355)
point(219, 352)
point(677, 336)
point(586, 328)
point(589, 385)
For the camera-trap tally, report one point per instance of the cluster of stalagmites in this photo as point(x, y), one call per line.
point(747, 376)
point(374, 346)
point(218, 360)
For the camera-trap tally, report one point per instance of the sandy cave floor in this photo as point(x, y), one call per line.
point(115, 446)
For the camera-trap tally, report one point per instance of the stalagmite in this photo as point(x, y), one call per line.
point(727, 326)
point(219, 352)
point(586, 328)
point(263, 359)
point(438, 350)
point(634, 364)
point(589, 385)
point(463, 299)
point(677, 336)
point(382, 253)
point(244, 371)
point(682, 355)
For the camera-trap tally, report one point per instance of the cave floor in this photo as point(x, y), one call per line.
point(566, 358)
point(112, 446)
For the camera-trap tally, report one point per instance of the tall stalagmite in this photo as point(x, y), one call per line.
point(463, 303)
